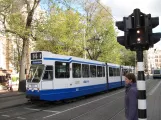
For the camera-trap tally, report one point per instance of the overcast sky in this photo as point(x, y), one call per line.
point(123, 8)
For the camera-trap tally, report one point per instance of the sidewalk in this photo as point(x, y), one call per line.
point(11, 98)
point(3, 89)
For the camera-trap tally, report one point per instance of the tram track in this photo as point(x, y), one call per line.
point(49, 105)
point(150, 87)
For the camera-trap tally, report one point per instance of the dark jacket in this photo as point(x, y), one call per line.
point(131, 102)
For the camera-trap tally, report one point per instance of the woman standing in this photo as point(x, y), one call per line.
point(131, 101)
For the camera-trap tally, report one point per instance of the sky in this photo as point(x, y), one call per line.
point(123, 8)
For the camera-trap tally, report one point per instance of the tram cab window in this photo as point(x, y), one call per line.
point(92, 71)
point(76, 68)
point(48, 74)
point(85, 70)
point(62, 70)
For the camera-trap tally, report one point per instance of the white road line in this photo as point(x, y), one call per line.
point(32, 109)
point(41, 110)
point(82, 105)
point(50, 111)
point(21, 118)
point(6, 111)
point(153, 90)
point(5, 115)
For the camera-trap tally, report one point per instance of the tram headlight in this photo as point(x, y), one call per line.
point(27, 88)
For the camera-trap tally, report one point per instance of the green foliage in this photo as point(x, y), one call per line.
point(16, 22)
point(127, 57)
point(14, 79)
point(61, 33)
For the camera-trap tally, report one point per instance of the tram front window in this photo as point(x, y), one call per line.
point(35, 73)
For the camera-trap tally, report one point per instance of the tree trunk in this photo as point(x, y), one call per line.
point(22, 75)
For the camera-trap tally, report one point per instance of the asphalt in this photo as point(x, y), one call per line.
point(15, 98)
point(11, 99)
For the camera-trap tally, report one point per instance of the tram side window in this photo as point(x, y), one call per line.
point(114, 71)
point(62, 70)
point(111, 73)
point(103, 72)
point(48, 74)
point(85, 70)
point(99, 71)
point(76, 70)
point(92, 71)
point(118, 71)
point(124, 72)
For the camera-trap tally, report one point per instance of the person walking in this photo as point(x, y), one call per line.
point(131, 97)
point(10, 84)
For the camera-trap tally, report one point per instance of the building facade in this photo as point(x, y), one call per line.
point(154, 59)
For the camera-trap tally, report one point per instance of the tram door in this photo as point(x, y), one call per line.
point(47, 79)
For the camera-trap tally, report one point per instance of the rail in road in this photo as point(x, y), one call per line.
point(102, 106)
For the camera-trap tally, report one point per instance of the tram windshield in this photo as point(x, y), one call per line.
point(156, 71)
point(35, 73)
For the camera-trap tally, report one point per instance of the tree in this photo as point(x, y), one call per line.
point(17, 19)
point(61, 32)
point(128, 57)
point(64, 31)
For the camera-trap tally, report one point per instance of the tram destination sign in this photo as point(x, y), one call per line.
point(36, 55)
point(36, 62)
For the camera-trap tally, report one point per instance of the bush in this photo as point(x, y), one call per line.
point(14, 79)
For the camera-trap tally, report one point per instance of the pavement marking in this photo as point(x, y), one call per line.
point(5, 115)
point(6, 111)
point(40, 110)
point(21, 118)
point(32, 109)
point(82, 105)
point(153, 90)
point(49, 111)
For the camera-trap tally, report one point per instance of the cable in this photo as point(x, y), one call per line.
point(106, 9)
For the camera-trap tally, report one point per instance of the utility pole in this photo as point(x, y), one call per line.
point(138, 36)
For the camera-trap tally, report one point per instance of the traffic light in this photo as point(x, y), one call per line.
point(121, 26)
point(153, 37)
point(138, 38)
point(137, 29)
point(124, 26)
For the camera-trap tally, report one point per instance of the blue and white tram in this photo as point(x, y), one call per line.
point(156, 73)
point(55, 77)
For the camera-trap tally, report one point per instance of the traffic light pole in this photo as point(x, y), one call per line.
point(141, 86)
